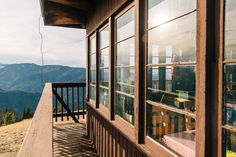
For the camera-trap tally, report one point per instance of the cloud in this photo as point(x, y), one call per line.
point(20, 40)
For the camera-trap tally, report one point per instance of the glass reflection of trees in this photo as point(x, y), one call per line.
point(171, 72)
point(125, 66)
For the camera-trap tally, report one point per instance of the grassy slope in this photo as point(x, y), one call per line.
point(12, 137)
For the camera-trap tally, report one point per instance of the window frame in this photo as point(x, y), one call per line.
point(90, 38)
point(200, 66)
point(222, 128)
point(126, 9)
point(104, 26)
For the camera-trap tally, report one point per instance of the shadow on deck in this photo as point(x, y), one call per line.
point(69, 139)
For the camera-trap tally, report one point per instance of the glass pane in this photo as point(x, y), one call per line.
point(125, 107)
point(230, 94)
point(93, 61)
point(173, 42)
point(125, 80)
point(173, 86)
point(230, 29)
point(161, 11)
point(93, 45)
point(175, 131)
point(104, 96)
point(230, 145)
point(125, 25)
point(92, 77)
point(104, 77)
point(92, 90)
point(104, 37)
point(125, 53)
point(104, 57)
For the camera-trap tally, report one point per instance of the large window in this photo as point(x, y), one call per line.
point(229, 66)
point(171, 69)
point(124, 87)
point(104, 66)
point(92, 81)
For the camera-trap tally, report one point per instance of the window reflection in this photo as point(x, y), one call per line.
point(173, 42)
point(174, 130)
point(125, 52)
point(230, 94)
point(173, 86)
point(125, 25)
point(171, 74)
point(125, 66)
point(92, 52)
point(230, 145)
point(104, 67)
point(230, 29)
point(161, 11)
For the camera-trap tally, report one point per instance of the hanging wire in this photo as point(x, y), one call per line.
point(41, 50)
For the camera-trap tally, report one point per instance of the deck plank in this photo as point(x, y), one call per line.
point(69, 139)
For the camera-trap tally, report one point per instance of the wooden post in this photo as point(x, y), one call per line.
point(87, 69)
point(111, 68)
point(140, 94)
point(97, 68)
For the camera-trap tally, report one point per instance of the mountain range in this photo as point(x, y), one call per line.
point(21, 84)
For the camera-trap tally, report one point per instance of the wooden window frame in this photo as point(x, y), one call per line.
point(89, 39)
point(123, 121)
point(200, 97)
point(222, 62)
point(98, 54)
point(139, 128)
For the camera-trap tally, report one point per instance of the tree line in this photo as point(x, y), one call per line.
point(9, 116)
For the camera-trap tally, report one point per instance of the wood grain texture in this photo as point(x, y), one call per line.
point(38, 140)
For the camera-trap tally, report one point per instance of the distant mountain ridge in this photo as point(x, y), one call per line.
point(27, 77)
point(20, 84)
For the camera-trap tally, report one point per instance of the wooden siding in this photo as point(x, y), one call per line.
point(112, 138)
point(103, 10)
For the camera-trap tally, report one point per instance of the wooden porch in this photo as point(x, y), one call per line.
point(65, 125)
point(69, 139)
point(66, 134)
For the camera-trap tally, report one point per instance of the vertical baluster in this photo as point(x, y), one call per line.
point(62, 104)
point(55, 102)
point(83, 102)
point(73, 100)
point(67, 102)
point(78, 101)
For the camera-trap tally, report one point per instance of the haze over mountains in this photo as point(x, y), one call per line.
point(20, 84)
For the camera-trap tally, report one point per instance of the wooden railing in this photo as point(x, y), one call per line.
point(38, 139)
point(69, 101)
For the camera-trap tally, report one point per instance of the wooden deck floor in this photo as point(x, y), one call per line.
point(69, 139)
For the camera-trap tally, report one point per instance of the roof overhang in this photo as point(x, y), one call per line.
point(66, 13)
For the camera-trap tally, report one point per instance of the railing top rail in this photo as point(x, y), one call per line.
point(70, 84)
point(38, 139)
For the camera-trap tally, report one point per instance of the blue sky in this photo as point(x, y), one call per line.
point(20, 40)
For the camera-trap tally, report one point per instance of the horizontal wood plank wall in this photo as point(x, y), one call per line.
point(104, 9)
point(107, 140)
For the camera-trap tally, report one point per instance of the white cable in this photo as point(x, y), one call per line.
point(41, 50)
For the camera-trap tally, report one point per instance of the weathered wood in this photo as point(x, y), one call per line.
point(122, 135)
point(220, 46)
point(201, 79)
point(38, 139)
